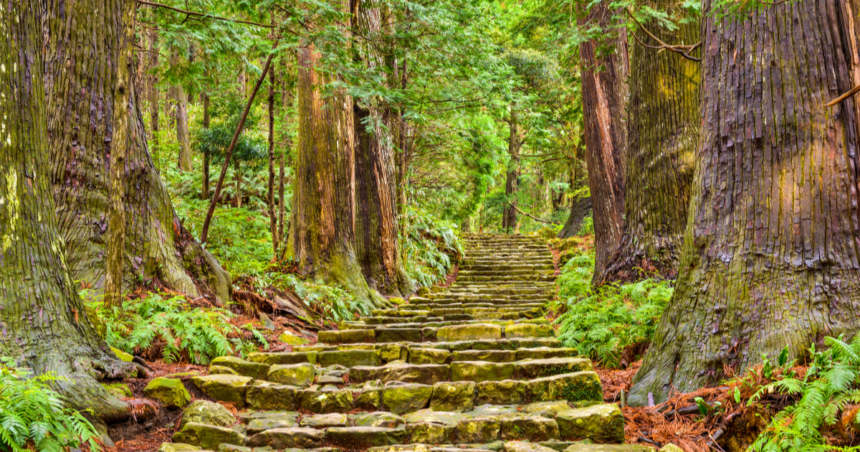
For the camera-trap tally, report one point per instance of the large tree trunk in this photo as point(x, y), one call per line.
point(376, 210)
point(45, 326)
point(180, 116)
point(580, 208)
point(604, 93)
point(322, 225)
point(770, 254)
point(509, 214)
point(154, 96)
point(270, 194)
point(662, 136)
point(80, 124)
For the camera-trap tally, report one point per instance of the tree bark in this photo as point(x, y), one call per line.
point(662, 135)
point(770, 253)
point(270, 198)
point(322, 225)
point(207, 120)
point(509, 214)
point(154, 96)
point(180, 114)
point(80, 124)
point(604, 94)
point(376, 222)
point(120, 142)
point(45, 325)
point(580, 208)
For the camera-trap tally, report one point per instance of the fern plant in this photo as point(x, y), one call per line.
point(34, 417)
point(429, 245)
point(181, 330)
point(602, 323)
point(830, 386)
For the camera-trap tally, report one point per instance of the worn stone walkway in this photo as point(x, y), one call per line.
point(475, 367)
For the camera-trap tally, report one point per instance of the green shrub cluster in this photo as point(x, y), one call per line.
point(429, 246)
point(826, 395)
point(182, 331)
point(601, 323)
point(330, 303)
point(34, 417)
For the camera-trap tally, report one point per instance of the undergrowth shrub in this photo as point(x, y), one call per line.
point(429, 246)
point(824, 417)
point(601, 323)
point(182, 331)
point(34, 417)
point(330, 303)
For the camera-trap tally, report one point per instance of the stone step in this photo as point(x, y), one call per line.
point(496, 266)
point(434, 368)
point(449, 319)
point(482, 298)
point(259, 364)
point(411, 323)
point(394, 397)
point(418, 333)
point(548, 422)
point(502, 344)
point(522, 272)
point(437, 312)
point(429, 305)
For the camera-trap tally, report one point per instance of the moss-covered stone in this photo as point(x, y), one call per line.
point(505, 392)
point(271, 396)
point(376, 419)
point(288, 438)
point(242, 367)
point(369, 400)
point(429, 356)
point(393, 352)
point(324, 420)
point(479, 371)
point(519, 446)
point(261, 425)
point(423, 292)
point(224, 388)
point(206, 412)
point(123, 356)
point(350, 358)
point(608, 448)
point(284, 358)
point(546, 409)
point(546, 352)
point(468, 332)
point(170, 392)
point(359, 438)
point(551, 366)
point(346, 336)
point(671, 448)
point(177, 447)
point(300, 375)
point(603, 423)
point(453, 396)
point(571, 387)
point(430, 433)
point(478, 430)
point(493, 356)
point(292, 339)
point(529, 428)
point(221, 370)
point(339, 401)
point(399, 371)
point(406, 398)
point(118, 390)
point(207, 436)
point(529, 330)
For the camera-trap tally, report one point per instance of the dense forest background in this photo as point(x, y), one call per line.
point(203, 178)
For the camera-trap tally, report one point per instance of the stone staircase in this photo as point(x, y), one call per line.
point(474, 367)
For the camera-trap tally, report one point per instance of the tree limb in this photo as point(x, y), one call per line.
point(532, 216)
point(206, 16)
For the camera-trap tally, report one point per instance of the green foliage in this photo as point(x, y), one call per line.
point(182, 331)
point(829, 386)
point(587, 226)
point(429, 246)
point(33, 416)
point(601, 323)
point(329, 303)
